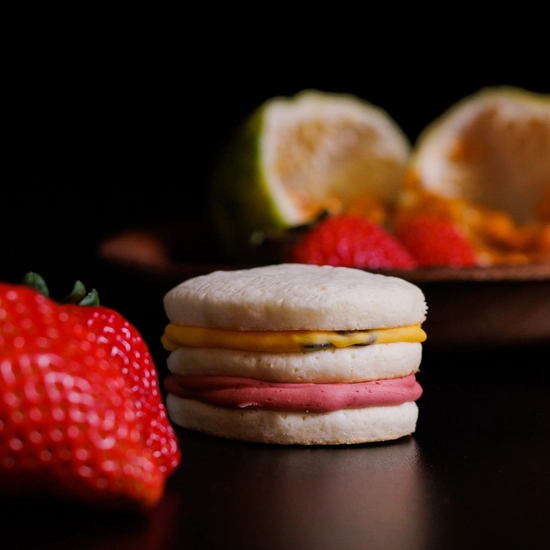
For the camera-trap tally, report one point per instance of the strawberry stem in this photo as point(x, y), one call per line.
point(78, 295)
point(91, 299)
point(37, 282)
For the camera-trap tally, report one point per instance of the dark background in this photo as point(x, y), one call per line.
point(113, 115)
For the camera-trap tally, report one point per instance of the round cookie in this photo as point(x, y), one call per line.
point(341, 427)
point(352, 364)
point(295, 297)
point(364, 328)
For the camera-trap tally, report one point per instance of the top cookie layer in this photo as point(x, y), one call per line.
point(295, 297)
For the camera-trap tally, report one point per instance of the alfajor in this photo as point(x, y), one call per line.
point(295, 354)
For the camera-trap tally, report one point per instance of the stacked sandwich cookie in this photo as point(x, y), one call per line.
point(295, 354)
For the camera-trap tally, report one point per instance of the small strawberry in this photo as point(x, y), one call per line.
point(436, 242)
point(350, 241)
point(81, 413)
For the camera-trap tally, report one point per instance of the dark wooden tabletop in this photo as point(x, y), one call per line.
point(476, 474)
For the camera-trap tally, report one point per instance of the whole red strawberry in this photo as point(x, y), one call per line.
point(436, 242)
point(81, 413)
point(350, 241)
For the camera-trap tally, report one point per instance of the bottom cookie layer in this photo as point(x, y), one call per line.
point(291, 428)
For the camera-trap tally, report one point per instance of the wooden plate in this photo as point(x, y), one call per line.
point(474, 306)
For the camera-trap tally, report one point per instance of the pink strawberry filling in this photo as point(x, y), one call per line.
point(237, 392)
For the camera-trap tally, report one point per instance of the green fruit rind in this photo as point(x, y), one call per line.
point(240, 203)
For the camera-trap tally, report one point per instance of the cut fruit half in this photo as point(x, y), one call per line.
point(492, 149)
point(295, 158)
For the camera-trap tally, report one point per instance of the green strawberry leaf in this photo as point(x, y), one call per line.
point(35, 281)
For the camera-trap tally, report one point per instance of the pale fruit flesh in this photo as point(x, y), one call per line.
point(325, 152)
point(492, 149)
